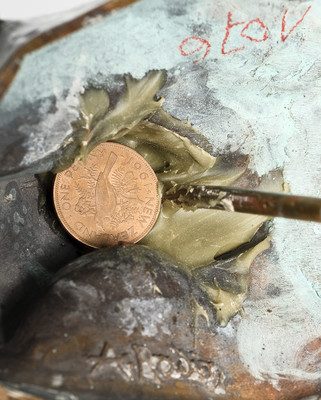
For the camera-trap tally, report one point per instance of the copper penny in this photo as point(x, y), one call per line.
point(109, 200)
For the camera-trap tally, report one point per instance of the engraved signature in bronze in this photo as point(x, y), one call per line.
point(142, 365)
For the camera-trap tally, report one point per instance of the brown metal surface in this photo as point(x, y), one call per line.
point(121, 324)
point(8, 72)
point(111, 199)
point(7, 394)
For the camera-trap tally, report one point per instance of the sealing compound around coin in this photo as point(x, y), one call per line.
point(111, 199)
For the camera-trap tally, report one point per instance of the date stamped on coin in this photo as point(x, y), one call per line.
point(112, 199)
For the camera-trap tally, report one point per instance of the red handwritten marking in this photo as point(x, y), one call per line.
point(203, 42)
point(265, 36)
point(228, 28)
point(283, 38)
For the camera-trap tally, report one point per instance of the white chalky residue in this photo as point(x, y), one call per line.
point(230, 330)
point(295, 319)
point(256, 87)
point(43, 143)
point(132, 40)
point(152, 316)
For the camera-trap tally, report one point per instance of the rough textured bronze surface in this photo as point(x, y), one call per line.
point(110, 199)
point(120, 324)
point(33, 246)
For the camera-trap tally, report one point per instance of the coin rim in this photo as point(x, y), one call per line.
point(71, 231)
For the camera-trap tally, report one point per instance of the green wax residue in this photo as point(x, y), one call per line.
point(192, 238)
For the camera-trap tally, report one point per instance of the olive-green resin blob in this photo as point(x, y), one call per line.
point(193, 238)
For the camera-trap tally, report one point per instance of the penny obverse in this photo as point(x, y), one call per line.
point(111, 199)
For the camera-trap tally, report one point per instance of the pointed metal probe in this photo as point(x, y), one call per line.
point(247, 201)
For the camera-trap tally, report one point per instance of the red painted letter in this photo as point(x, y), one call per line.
point(228, 28)
point(265, 36)
point(284, 37)
point(199, 48)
